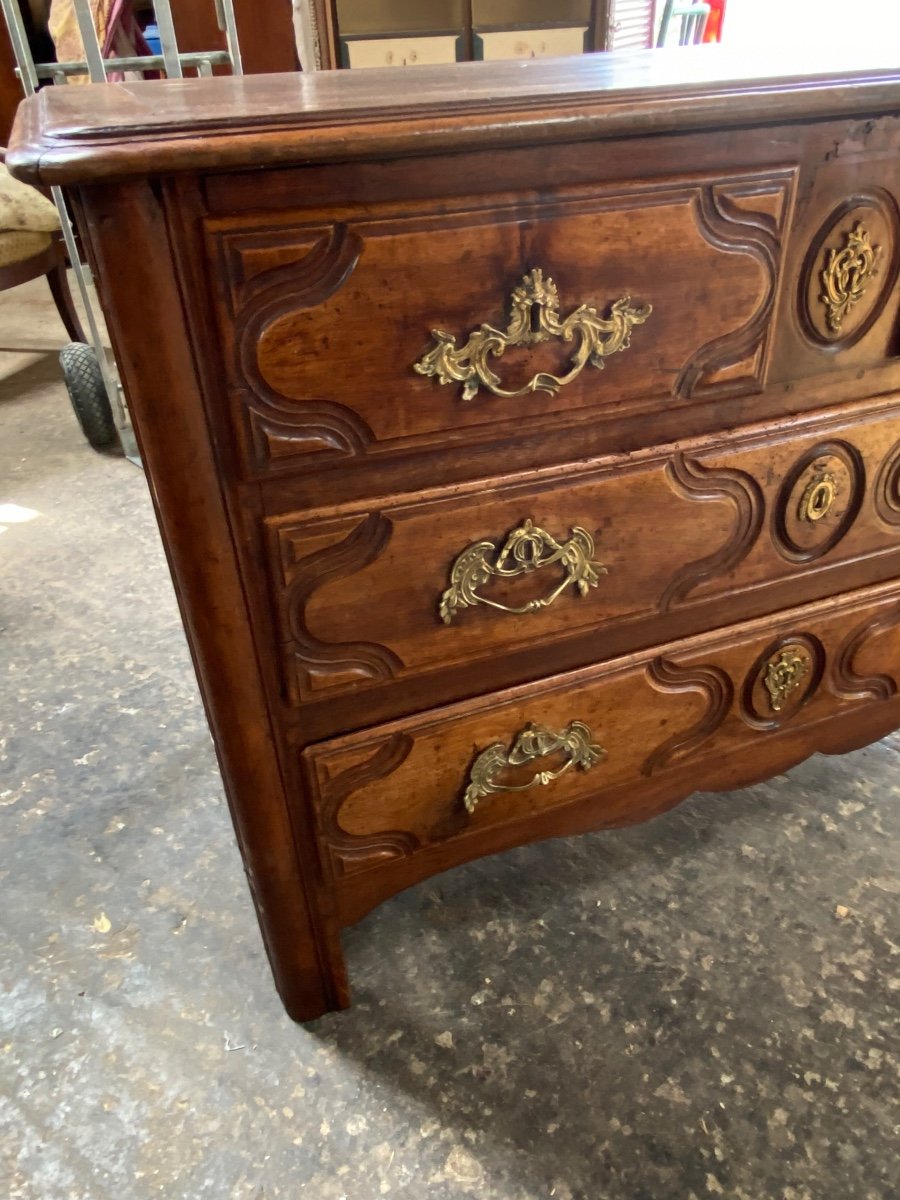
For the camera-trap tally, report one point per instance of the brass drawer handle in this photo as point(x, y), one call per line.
point(534, 741)
point(526, 549)
point(533, 318)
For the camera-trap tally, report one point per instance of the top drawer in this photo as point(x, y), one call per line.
point(406, 327)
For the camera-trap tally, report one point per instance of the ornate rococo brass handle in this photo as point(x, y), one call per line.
point(533, 318)
point(846, 274)
point(534, 741)
point(526, 549)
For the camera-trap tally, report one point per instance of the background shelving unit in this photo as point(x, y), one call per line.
point(364, 33)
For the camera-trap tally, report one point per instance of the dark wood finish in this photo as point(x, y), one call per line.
point(141, 288)
point(357, 589)
point(737, 467)
point(388, 800)
point(105, 131)
point(58, 279)
point(723, 239)
point(600, 25)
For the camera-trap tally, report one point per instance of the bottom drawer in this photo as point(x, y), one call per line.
point(603, 746)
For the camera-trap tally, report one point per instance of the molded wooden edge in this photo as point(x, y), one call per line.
point(23, 156)
point(253, 125)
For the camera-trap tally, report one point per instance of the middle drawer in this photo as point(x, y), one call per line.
point(438, 591)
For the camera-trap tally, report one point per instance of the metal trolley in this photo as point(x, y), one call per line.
point(90, 374)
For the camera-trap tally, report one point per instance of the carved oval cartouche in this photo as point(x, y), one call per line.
point(849, 271)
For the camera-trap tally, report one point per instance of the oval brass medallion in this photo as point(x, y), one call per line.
point(849, 271)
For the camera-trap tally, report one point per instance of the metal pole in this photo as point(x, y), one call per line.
point(96, 67)
point(82, 273)
point(21, 49)
point(168, 39)
point(225, 14)
point(132, 62)
point(93, 52)
point(306, 37)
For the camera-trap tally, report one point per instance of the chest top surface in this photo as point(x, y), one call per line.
point(77, 135)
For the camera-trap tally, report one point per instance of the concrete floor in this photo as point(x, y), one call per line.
point(704, 1006)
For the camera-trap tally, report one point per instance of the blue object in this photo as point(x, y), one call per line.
point(151, 37)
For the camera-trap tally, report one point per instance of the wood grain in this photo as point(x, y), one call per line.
point(135, 128)
point(358, 592)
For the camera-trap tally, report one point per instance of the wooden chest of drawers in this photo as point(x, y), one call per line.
point(526, 447)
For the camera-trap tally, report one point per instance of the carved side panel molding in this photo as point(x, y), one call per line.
point(718, 691)
point(693, 481)
point(887, 487)
point(587, 750)
point(293, 413)
point(730, 226)
point(320, 667)
point(845, 680)
point(278, 434)
point(280, 431)
point(349, 853)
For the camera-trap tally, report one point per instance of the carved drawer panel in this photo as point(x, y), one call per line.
point(606, 745)
point(397, 328)
point(604, 556)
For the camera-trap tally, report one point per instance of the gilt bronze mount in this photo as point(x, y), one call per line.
point(532, 743)
point(785, 672)
point(525, 550)
point(846, 275)
point(818, 496)
point(533, 318)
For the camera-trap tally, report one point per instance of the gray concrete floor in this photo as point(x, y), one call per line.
point(704, 1006)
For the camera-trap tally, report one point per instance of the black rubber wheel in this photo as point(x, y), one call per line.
point(87, 391)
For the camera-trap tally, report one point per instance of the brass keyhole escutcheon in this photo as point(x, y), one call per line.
point(819, 496)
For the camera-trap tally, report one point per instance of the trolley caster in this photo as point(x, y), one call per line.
point(87, 391)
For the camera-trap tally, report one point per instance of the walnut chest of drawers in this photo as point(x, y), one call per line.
point(525, 445)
